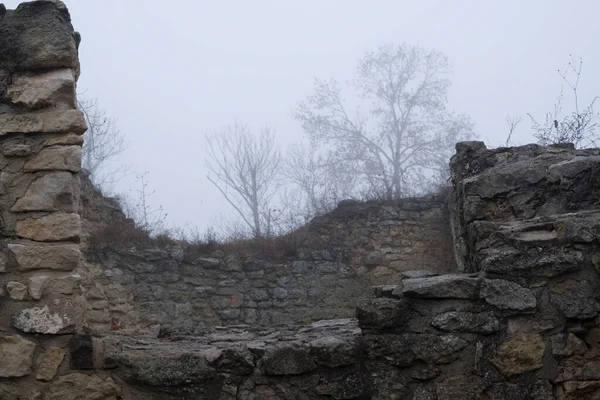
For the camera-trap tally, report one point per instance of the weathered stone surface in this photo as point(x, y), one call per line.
point(575, 299)
point(37, 35)
point(50, 228)
point(567, 344)
point(507, 295)
point(332, 351)
point(343, 384)
point(461, 387)
point(236, 360)
point(484, 323)
point(57, 317)
point(63, 257)
point(57, 191)
point(81, 352)
point(418, 273)
point(520, 354)
point(16, 356)
point(78, 386)
point(54, 88)
point(48, 368)
point(56, 158)
point(381, 313)
point(17, 150)
point(442, 287)
point(549, 262)
point(69, 284)
point(64, 140)
point(37, 284)
point(16, 290)
point(63, 121)
point(288, 359)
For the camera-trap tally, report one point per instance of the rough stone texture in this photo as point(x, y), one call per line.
point(520, 354)
point(507, 295)
point(382, 312)
point(567, 344)
point(37, 284)
point(50, 228)
point(81, 352)
point(54, 88)
point(16, 290)
point(442, 287)
point(16, 356)
point(57, 317)
point(484, 323)
point(37, 35)
point(575, 299)
point(56, 158)
point(48, 368)
point(63, 257)
point(55, 191)
point(70, 121)
point(77, 386)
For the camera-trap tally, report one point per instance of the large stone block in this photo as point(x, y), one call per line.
point(38, 35)
point(57, 317)
point(55, 88)
point(520, 354)
point(55, 121)
point(287, 359)
point(484, 323)
point(78, 386)
point(57, 191)
point(51, 360)
point(50, 228)
point(507, 295)
point(61, 257)
point(56, 158)
point(16, 356)
point(575, 299)
point(442, 287)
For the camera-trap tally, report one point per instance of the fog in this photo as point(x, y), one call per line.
point(171, 71)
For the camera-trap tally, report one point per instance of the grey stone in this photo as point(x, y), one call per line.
point(57, 191)
point(235, 360)
point(575, 299)
point(17, 150)
point(57, 317)
point(50, 228)
point(16, 290)
point(419, 273)
point(63, 121)
point(56, 158)
point(76, 386)
point(17, 356)
point(507, 295)
point(332, 352)
point(62, 257)
point(37, 35)
point(532, 262)
point(382, 313)
point(287, 359)
point(567, 344)
point(484, 323)
point(37, 284)
point(54, 88)
point(442, 287)
point(280, 293)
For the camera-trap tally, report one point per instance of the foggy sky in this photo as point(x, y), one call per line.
point(171, 71)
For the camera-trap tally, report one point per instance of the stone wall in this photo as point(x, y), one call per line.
point(332, 263)
point(40, 228)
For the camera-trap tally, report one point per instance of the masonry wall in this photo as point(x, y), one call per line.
point(330, 265)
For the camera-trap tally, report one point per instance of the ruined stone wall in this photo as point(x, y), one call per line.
point(338, 258)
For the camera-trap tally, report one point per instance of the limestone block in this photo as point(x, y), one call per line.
point(57, 317)
point(56, 158)
point(37, 284)
point(48, 368)
point(37, 35)
point(16, 356)
point(64, 285)
point(16, 290)
point(54, 88)
point(441, 287)
point(17, 150)
point(57, 191)
point(62, 257)
point(65, 140)
point(59, 121)
point(507, 295)
point(50, 228)
point(484, 323)
point(519, 355)
point(78, 386)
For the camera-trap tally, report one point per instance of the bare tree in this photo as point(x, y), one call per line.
point(244, 168)
point(138, 207)
point(512, 123)
point(580, 127)
point(406, 135)
point(322, 182)
point(102, 142)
